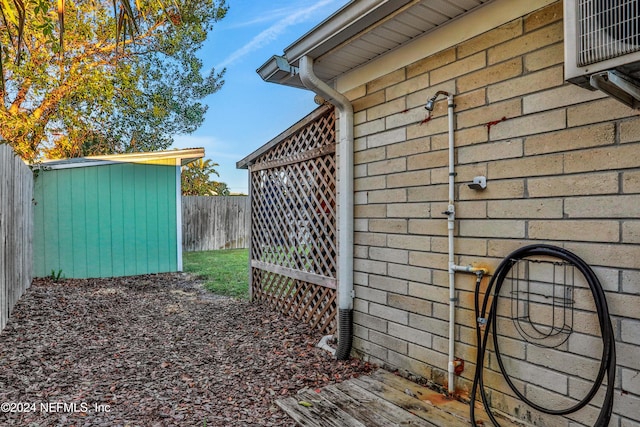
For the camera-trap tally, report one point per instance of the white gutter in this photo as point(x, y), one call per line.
point(345, 202)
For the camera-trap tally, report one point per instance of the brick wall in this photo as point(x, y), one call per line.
point(562, 166)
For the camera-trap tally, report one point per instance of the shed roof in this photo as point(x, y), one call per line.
point(185, 156)
point(360, 32)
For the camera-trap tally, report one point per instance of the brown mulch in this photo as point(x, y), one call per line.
point(153, 350)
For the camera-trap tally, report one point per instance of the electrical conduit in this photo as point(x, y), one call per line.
point(345, 202)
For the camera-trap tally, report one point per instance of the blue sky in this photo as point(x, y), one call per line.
point(248, 112)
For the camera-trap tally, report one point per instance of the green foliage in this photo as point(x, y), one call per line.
point(55, 276)
point(226, 272)
point(196, 179)
point(114, 83)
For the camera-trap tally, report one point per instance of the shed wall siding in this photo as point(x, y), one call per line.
point(562, 166)
point(103, 221)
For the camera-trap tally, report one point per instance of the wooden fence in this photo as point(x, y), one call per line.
point(215, 222)
point(16, 230)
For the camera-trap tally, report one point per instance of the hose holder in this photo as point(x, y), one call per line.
point(555, 259)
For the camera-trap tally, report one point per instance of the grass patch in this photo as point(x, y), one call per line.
point(226, 272)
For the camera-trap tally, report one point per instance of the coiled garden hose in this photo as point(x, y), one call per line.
point(608, 359)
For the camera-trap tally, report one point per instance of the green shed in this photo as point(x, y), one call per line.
point(108, 216)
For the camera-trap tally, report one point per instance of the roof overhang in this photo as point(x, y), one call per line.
point(184, 157)
point(360, 32)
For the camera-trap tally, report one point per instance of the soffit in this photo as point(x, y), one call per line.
point(362, 31)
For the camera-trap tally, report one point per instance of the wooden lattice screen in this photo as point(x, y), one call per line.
point(293, 231)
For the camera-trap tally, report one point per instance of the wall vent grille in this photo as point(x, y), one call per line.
point(608, 29)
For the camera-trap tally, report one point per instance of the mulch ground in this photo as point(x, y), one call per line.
point(153, 350)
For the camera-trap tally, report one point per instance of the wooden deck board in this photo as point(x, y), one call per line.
point(321, 412)
point(431, 398)
point(453, 407)
point(412, 403)
point(385, 412)
point(380, 400)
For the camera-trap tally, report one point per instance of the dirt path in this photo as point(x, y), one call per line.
point(153, 351)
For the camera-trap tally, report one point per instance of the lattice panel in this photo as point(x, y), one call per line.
point(293, 214)
point(317, 134)
point(309, 303)
point(295, 219)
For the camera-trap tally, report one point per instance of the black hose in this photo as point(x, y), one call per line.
point(608, 360)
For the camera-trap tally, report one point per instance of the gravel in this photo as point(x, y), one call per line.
point(154, 350)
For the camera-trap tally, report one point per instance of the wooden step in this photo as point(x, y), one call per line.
point(380, 400)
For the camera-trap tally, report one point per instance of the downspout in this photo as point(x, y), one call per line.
point(345, 202)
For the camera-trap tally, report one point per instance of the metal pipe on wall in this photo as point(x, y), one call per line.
point(451, 218)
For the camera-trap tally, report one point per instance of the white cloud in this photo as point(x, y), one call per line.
point(271, 15)
point(286, 18)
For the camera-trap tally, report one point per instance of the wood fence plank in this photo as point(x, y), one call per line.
point(5, 181)
point(215, 222)
point(16, 230)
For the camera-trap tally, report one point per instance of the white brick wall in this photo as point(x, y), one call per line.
point(563, 167)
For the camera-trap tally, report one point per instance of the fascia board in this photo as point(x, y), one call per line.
point(184, 156)
point(344, 24)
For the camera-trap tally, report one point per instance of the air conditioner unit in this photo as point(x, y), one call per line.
point(602, 47)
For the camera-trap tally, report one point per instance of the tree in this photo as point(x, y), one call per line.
point(109, 85)
point(196, 179)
